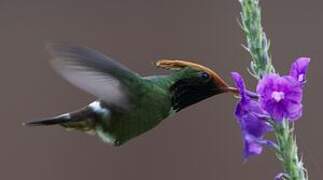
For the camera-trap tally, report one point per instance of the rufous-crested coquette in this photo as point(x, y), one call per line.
point(128, 104)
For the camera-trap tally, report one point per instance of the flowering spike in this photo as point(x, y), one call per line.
point(279, 96)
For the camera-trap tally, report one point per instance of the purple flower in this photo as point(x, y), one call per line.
point(299, 68)
point(251, 118)
point(251, 146)
point(281, 176)
point(281, 96)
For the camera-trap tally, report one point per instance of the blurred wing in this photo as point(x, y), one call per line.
point(95, 73)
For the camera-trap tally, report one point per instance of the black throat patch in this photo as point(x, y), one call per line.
point(186, 92)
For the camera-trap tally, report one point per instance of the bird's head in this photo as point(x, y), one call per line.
point(193, 83)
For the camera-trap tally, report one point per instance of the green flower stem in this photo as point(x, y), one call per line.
point(257, 45)
point(287, 151)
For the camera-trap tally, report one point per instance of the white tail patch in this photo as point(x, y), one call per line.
point(96, 106)
point(66, 115)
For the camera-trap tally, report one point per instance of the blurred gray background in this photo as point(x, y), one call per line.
point(201, 142)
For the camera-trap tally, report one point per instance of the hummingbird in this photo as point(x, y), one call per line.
point(127, 104)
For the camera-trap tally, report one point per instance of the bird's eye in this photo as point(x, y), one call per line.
point(205, 75)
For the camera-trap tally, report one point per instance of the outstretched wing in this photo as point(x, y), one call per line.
point(95, 73)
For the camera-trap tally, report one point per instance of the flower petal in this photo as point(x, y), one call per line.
point(251, 147)
point(288, 104)
point(295, 111)
point(239, 83)
point(251, 118)
point(299, 68)
point(281, 176)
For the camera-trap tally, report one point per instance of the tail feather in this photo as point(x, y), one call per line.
point(49, 121)
point(83, 120)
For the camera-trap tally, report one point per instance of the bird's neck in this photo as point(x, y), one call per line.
point(171, 84)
